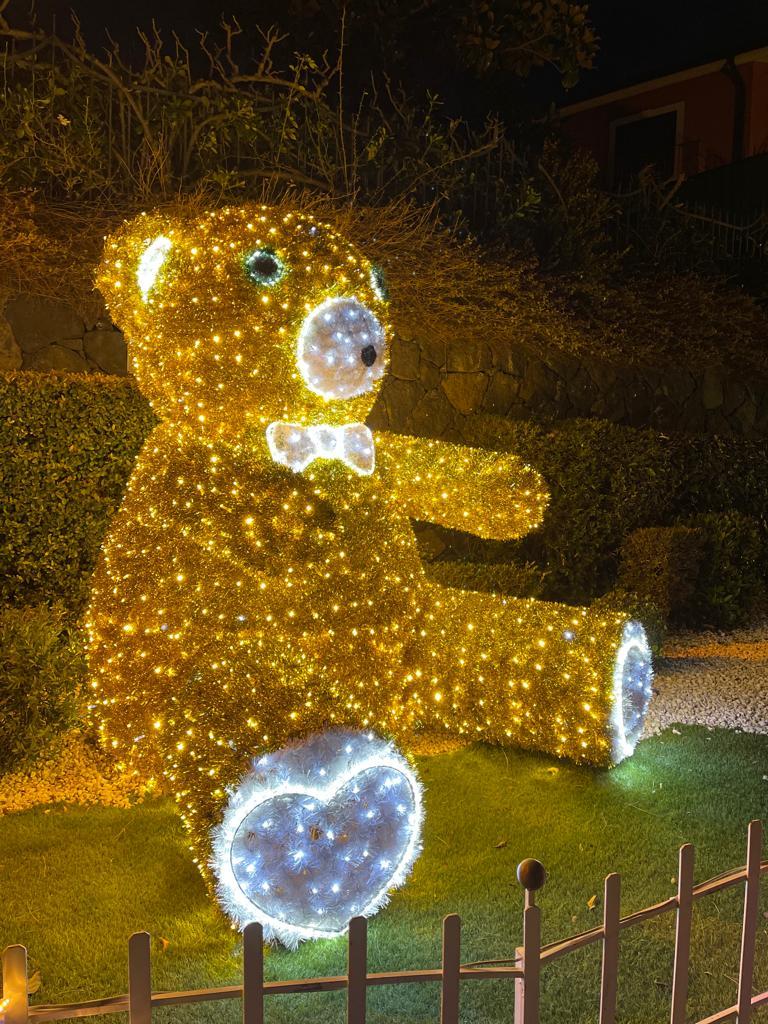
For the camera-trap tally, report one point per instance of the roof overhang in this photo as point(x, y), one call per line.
point(713, 67)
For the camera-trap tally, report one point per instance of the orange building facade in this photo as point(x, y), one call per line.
point(682, 124)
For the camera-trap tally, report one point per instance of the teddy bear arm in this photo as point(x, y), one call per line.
point(493, 495)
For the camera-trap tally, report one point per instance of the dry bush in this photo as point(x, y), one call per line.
point(438, 282)
point(666, 319)
point(86, 141)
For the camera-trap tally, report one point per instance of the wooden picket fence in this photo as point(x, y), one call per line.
point(524, 968)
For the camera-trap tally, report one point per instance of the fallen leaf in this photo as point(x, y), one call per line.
point(501, 844)
point(592, 902)
point(34, 982)
point(164, 944)
point(676, 732)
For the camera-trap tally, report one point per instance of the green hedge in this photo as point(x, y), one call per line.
point(731, 578)
point(709, 573)
point(661, 564)
point(607, 481)
point(42, 669)
point(506, 577)
point(67, 445)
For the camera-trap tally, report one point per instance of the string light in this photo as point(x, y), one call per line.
point(249, 595)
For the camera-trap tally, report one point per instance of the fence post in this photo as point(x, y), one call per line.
point(451, 966)
point(609, 977)
point(139, 979)
point(531, 964)
point(682, 934)
point(15, 998)
point(519, 988)
point(253, 974)
point(749, 922)
point(532, 876)
point(357, 970)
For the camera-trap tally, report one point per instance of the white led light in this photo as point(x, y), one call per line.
point(378, 284)
point(150, 262)
point(287, 885)
point(296, 447)
point(632, 690)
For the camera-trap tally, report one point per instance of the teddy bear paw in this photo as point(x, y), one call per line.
point(632, 689)
point(317, 833)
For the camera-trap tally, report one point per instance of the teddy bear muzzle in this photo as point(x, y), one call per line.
point(341, 349)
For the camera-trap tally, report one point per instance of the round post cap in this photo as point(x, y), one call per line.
point(531, 874)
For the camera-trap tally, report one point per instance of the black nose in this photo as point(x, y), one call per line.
point(368, 355)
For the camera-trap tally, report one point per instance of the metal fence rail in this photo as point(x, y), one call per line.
point(524, 969)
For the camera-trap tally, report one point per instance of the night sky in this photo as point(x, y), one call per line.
point(640, 39)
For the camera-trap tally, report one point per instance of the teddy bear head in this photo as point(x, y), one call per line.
point(247, 315)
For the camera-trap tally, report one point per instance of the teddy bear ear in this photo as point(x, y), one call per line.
point(131, 268)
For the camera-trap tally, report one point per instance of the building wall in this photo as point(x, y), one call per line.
point(756, 79)
point(708, 118)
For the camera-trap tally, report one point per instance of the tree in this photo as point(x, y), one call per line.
point(414, 40)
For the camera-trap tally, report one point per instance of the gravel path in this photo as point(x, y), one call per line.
point(714, 679)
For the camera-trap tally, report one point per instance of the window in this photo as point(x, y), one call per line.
point(652, 138)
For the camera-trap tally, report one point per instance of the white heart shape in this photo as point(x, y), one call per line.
point(316, 834)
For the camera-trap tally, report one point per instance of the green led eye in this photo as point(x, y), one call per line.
point(264, 267)
point(379, 283)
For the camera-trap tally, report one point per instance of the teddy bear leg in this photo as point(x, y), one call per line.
point(574, 682)
point(316, 833)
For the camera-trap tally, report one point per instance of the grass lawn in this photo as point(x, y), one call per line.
point(74, 883)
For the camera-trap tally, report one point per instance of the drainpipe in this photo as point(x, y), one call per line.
point(730, 70)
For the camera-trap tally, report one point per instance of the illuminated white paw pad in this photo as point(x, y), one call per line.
point(632, 689)
point(316, 834)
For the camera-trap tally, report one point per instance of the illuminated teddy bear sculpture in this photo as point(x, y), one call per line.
point(260, 616)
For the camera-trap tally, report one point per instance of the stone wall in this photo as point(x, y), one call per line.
point(45, 334)
point(435, 383)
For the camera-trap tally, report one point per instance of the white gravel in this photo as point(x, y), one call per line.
point(712, 679)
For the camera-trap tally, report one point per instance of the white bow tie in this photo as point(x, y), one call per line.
point(295, 446)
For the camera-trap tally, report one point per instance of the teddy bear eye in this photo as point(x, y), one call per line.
point(379, 283)
point(264, 267)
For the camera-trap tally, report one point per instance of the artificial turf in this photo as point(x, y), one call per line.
point(74, 884)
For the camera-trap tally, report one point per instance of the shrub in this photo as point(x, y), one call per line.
point(502, 577)
point(707, 573)
point(67, 445)
point(661, 565)
point(607, 481)
point(731, 579)
point(42, 667)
